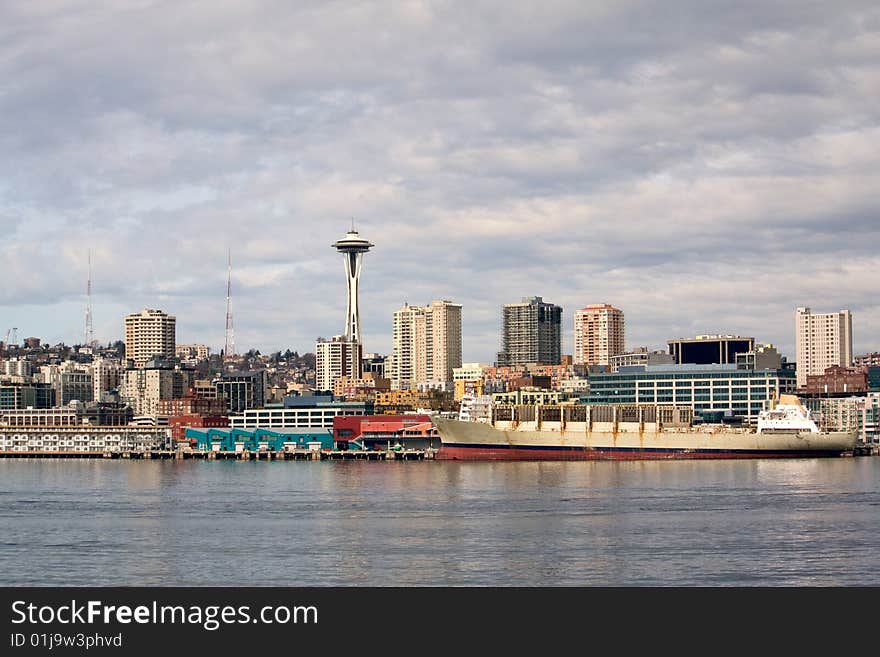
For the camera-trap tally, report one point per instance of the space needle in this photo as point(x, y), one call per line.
point(353, 247)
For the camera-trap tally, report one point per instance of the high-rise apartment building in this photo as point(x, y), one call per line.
point(16, 367)
point(405, 349)
point(149, 333)
point(426, 345)
point(821, 340)
point(107, 374)
point(531, 333)
point(143, 389)
point(598, 334)
point(442, 330)
point(336, 358)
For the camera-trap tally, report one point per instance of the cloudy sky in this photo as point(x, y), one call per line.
point(705, 166)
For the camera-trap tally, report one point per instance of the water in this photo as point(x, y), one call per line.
point(194, 523)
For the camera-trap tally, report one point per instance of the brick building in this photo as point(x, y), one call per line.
point(180, 423)
point(837, 380)
point(192, 405)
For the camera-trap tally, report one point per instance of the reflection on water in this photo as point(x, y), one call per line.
point(772, 522)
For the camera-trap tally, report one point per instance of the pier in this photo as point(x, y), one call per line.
point(314, 455)
point(243, 455)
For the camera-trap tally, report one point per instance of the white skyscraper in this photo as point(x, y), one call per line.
point(334, 359)
point(149, 333)
point(426, 345)
point(402, 363)
point(822, 340)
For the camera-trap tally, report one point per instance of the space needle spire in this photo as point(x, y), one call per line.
point(352, 247)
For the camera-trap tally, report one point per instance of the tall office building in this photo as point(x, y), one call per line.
point(243, 390)
point(821, 340)
point(531, 333)
point(149, 333)
point(75, 386)
point(426, 345)
point(598, 334)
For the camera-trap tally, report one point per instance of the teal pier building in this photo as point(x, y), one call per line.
point(228, 439)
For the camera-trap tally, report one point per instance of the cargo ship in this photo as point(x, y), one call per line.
point(630, 432)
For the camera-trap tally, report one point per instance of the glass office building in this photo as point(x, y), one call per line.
point(713, 391)
point(709, 349)
point(874, 378)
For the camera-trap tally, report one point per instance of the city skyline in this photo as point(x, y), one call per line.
point(709, 174)
point(568, 339)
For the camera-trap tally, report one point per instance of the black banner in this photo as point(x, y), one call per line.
point(282, 620)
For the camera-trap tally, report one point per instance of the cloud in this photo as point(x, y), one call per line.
point(706, 167)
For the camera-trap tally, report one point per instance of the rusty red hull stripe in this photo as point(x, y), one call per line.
point(490, 453)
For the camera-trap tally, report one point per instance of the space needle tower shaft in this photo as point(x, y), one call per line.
point(352, 247)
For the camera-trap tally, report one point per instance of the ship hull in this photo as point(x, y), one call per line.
point(452, 452)
point(482, 442)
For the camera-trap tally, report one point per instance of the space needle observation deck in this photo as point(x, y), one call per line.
point(353, 247)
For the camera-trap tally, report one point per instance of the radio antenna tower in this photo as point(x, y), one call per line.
point(229, 352)
point(90, 329)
